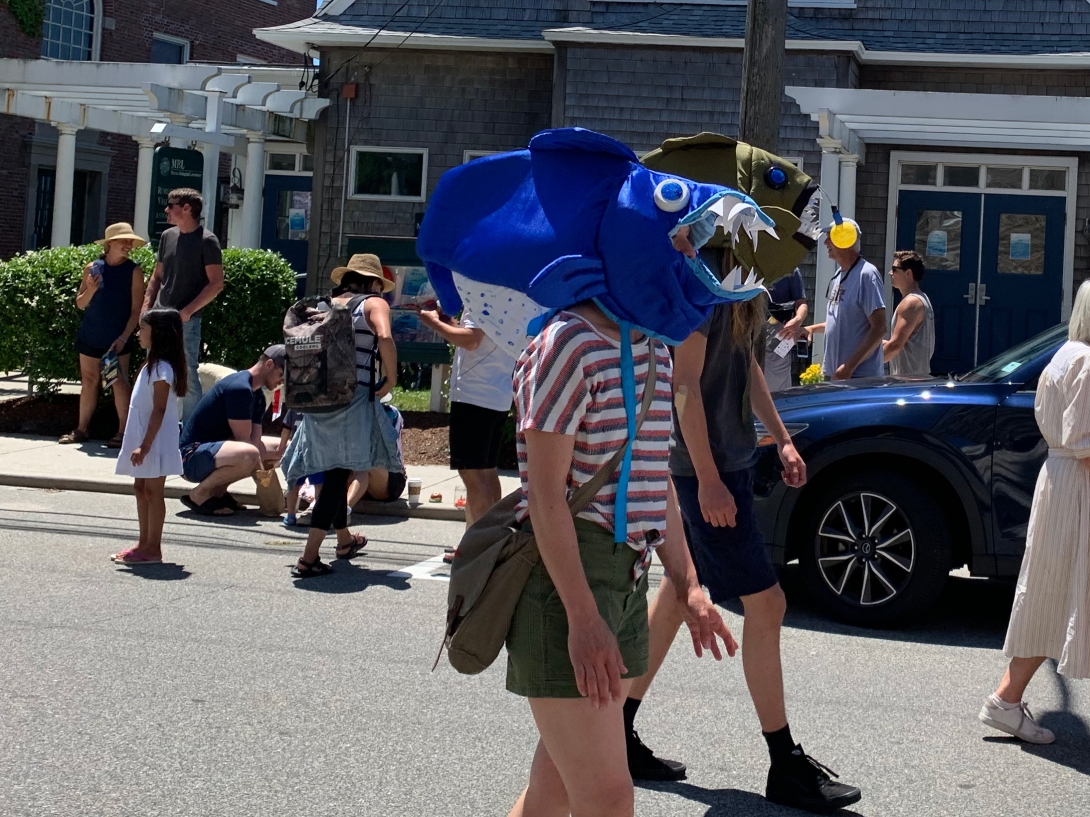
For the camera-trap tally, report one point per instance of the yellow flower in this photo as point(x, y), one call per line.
point(811, 376)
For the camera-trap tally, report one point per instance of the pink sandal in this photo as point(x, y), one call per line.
point(134, 557)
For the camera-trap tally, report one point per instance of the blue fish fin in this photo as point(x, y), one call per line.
point(580, 139)
point(568, 280)
point(442, 281)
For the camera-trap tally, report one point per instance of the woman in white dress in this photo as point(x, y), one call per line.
point(1052, 600)
point(149, 451)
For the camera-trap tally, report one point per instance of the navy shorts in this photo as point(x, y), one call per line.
point(730, 562)
point(199, 460)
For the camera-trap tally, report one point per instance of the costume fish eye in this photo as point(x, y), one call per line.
point(576, 217)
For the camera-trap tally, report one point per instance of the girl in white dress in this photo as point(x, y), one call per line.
point(150, 448)
point(1051, 614)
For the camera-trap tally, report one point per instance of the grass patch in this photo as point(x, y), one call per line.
point(411, 400)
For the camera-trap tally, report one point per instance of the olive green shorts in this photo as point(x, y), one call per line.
point(538, 665)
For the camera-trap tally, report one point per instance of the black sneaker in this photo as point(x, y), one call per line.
point(800, 781)
point(643, 765)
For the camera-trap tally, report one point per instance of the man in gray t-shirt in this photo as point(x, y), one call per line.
point(188, 276)
point(855, 322)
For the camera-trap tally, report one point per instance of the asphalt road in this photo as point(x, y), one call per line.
point(215, 685)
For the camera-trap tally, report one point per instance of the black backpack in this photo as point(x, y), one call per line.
point(320, 373)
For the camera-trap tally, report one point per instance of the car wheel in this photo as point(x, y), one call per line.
point(876, 548)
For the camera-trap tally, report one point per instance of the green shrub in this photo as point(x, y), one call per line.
point(39, 318)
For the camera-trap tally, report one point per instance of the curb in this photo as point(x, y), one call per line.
point(399, 507)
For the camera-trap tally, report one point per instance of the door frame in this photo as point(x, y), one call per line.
point(1070, 163)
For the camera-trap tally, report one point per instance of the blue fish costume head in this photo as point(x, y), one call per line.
point(577, 217)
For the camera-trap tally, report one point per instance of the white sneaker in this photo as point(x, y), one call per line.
point(1017, 721)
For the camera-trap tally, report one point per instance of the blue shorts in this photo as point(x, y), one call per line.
point(730, 562)
point(315, 479)
point(199, 460)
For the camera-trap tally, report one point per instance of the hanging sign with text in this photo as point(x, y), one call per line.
point(172, 168)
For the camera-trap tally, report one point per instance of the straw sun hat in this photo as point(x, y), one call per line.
point(120, 232)
point(365, 264)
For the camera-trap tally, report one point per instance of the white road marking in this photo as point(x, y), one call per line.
point(425, 570)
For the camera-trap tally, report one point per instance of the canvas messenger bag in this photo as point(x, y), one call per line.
point(493, 562)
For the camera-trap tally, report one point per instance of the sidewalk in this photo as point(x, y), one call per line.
point(40, 462)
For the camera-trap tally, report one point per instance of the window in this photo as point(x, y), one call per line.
point(68, 30)
point(920, 174)
point(167, 50)
point(938, 238)
point(385, 173)
point(1004, 178)
point(961, 176)
point(281, 161)
point(1047, 179)
point(470, 155)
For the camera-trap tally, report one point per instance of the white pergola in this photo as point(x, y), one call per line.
point(848, 119)
point(232, 108)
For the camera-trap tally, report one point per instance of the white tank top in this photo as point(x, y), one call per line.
point(915, 358)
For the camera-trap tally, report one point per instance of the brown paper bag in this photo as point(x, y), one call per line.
point(270, 494)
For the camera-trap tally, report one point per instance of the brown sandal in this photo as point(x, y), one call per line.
point(76, 436)
point(115, 441)
point(352, 550)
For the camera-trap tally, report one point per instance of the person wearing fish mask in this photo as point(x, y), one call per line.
point(576, 228)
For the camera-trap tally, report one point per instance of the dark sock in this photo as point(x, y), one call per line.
point(780, 743)
point(631, 707)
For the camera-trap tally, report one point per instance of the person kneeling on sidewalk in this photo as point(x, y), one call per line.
point(222, 443)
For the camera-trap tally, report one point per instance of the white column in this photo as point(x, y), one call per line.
point(142, 211)
point(254, 185)
point(209, 187)
point(849, 162)
point(62, 189)
point(830, 186)
point(234, 215)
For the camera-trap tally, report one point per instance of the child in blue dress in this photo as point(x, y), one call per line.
point(149, 451)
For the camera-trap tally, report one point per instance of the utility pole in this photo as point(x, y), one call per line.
point(762, 73)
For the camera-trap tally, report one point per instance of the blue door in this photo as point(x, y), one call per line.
point(944, 228)
point(1021, 269)
point(285, 219)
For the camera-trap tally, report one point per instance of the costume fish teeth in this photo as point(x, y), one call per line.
point(576, 217)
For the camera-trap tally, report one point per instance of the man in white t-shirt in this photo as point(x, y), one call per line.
point(481, 396)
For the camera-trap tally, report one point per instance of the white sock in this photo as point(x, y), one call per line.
point(995, 699)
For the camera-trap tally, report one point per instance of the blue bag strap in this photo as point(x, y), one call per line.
point(628, 389)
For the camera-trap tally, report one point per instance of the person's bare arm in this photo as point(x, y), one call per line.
point(703, 620)
point(793, 329)
point(794, 469)
point(377, 313)
point(214, 287)
point(160, 394)
point(87, 289)
point(134, 315)
point(906, 319)
point(716, 502)
point(877, 330)
point(154, 283)
point(453, 334)
point(592, 647)
point(243, 430)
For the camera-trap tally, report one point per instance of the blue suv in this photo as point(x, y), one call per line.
point(908, 479)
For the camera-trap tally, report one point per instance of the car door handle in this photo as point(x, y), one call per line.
point(982, 296)
point(970, 296)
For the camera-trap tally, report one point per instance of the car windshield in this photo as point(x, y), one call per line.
point(1014, 358)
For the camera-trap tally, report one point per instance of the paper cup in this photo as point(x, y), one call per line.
point(415, 484)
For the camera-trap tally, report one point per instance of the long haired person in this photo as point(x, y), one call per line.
point(149, 451)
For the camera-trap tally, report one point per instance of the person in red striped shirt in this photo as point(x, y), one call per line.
point(579, 634)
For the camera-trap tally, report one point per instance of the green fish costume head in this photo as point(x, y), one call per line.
point(782, 191)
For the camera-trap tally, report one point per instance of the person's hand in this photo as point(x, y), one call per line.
point(137, 457)
point(716, 503)
point(430, 318)
point(118, 345)
point(185, 315)
point(793, 330)
point(385, 388)
point(682, 244)
point(596, 659)
point(705, 623)
point(794, 469)
point(94, 283)
point(843, 372)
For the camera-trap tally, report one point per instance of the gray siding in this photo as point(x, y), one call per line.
point(447, 102)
